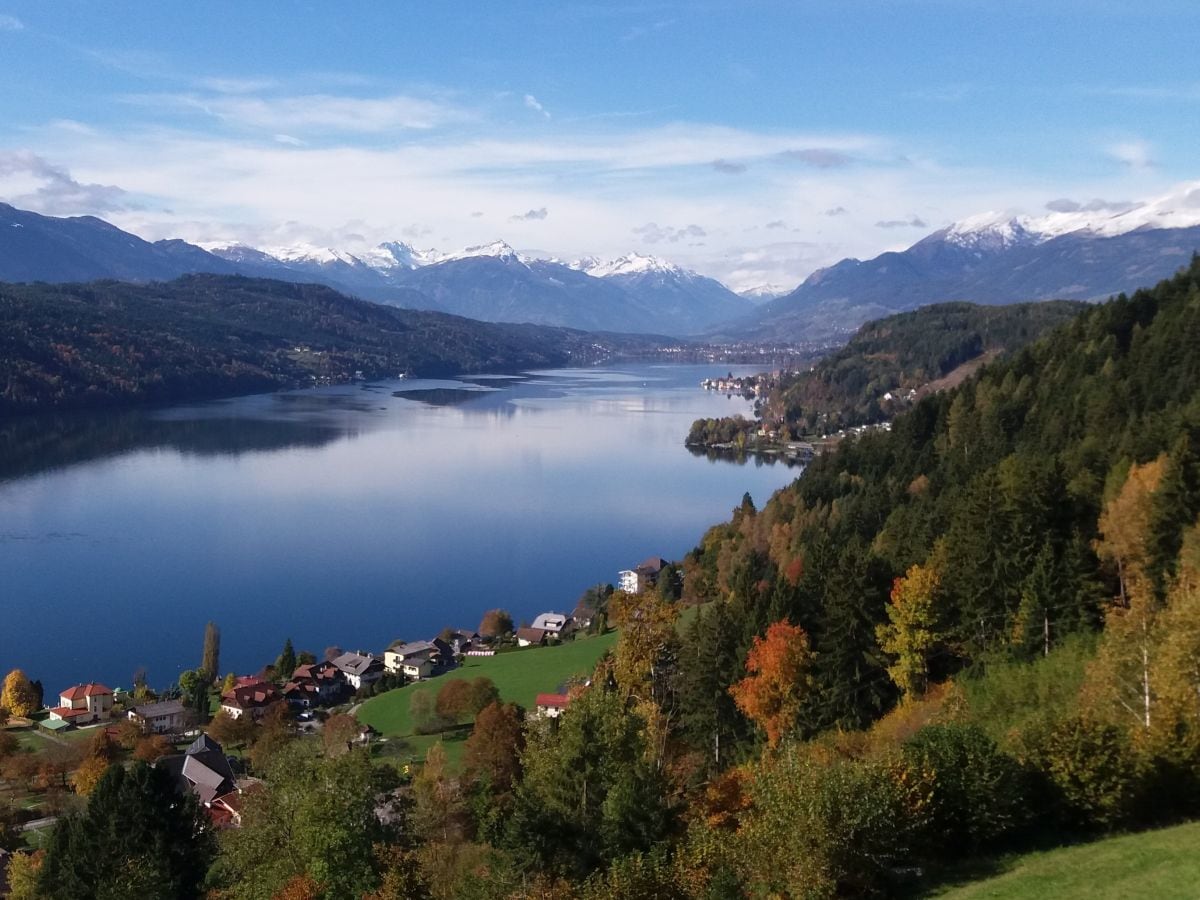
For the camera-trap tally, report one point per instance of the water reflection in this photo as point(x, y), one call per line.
point(345, 515)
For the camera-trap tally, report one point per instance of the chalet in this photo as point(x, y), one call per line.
point(83, 704)
point(464, 641)
point(642, 576)
point(249, 699)
point(530, 637)
point(552, 622)
point(413, 659)
point(550, 706)
point(359, 668)
point(159, 718)
point(203, 770)
point(314, 684)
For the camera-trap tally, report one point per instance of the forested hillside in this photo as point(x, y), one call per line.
point(112, 343)
point(997, 488)
point(902, 353)
point(884, 370)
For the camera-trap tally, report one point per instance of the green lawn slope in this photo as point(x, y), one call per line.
point(519, 675)
point(1162, 865)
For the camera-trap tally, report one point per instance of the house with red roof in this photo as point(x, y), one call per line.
point(550, 706)
point(249, 699)
point(83, 704)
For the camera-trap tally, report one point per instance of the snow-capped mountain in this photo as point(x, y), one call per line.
point(630, 264)
point(1080, 252)
point(491, 282)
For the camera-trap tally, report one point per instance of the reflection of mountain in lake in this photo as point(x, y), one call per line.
point(441, 396)
point(34, 444)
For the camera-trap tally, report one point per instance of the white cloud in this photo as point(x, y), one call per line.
point(32, 182)
point(1136, 154)
point(534, 215)
point(441, 162)
point(531, 102)
point(10, 23)
point(725, 167)
point(312, 112)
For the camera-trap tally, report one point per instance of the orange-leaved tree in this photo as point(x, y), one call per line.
point(780, 677)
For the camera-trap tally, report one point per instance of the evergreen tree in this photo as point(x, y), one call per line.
point(589, 794)
point(285, 665)
point(709, 664)
point(137, 837)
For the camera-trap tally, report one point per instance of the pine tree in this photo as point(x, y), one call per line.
point(285, 665)
point(137, 837)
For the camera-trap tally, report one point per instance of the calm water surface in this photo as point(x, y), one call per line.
point(350, 516)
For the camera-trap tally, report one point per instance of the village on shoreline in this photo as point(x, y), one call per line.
point(187, 727)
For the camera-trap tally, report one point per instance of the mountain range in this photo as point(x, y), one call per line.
point(493, 283)
point(1078, 251)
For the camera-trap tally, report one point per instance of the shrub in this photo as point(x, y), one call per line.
point(978, 793)
point(1091, 769)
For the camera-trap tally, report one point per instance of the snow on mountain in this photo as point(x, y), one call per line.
point(761, 293)
point(1180, 208)
point(630, 264)
point(496, 249)
point(392, 255)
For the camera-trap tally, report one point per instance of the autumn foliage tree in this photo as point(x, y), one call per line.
point(19, 696)
point(912, 629)
point(496, 622)
point(780, 677)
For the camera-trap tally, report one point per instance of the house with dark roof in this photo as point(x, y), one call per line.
point(165, 717)
point(413, 659)
point(358, 668)
point(531, 637)
point(203, 770)
point(314, 684)
point(83, 704)
point(249, 699)
point(641, 576)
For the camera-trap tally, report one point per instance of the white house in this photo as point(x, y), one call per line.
point(551, 622)
point(359, 668)
point(627, 581)
point(83, 703)
point(159, 718)
point(414, 659)
point(550, 706)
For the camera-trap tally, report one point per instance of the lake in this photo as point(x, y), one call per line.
point(349, 516)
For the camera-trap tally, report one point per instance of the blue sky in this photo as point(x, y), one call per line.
point(754, 141)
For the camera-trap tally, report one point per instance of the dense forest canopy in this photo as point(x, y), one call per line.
point(903, 352)
point(998, 486)
point(113, 343)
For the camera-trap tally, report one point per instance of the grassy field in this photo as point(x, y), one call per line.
point(1163, 865)
point(519, 676)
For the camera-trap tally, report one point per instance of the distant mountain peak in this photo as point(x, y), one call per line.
point(629, 264)
point(1178, 208)
point(496, 249)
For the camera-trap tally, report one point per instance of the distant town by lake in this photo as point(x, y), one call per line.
point(349, 516)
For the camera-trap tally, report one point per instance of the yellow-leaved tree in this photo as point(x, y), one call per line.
point(19, 696)
point(1121, 680)
point(912, 631)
